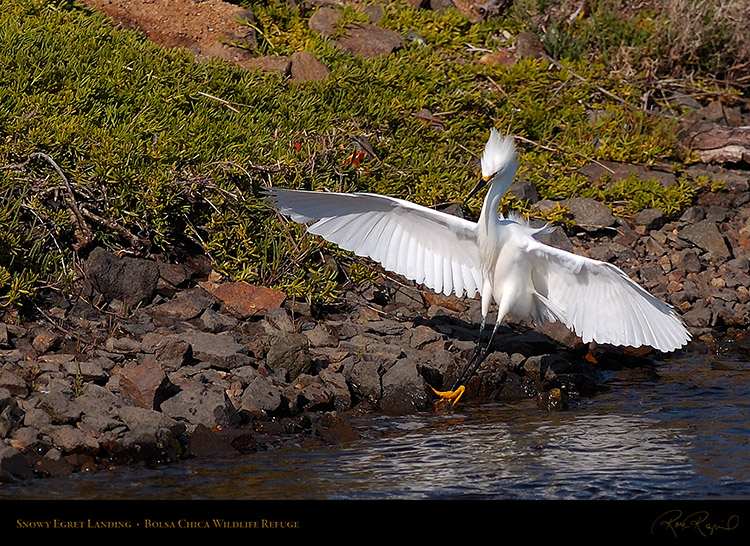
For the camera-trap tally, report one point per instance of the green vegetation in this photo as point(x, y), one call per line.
point(134, 137)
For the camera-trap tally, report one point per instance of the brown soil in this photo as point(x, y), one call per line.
point(203, 27)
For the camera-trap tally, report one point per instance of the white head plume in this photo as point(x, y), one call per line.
point(499, 153)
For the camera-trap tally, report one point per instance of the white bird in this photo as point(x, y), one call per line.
point(500, 258)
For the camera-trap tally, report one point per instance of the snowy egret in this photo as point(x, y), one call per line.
point(500, 258)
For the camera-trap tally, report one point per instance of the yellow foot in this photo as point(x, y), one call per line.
point(450, 396)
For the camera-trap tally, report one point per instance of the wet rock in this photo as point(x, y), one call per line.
point(335, 428)
point(205, 442)
point(13, 465)
point(554, 399)
point(151, 436)
point(404, 389)
point(370, 41)
point(544, 367)
point(130, 280)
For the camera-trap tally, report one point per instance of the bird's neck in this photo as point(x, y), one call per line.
point(498, 187)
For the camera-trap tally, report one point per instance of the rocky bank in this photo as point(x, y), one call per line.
point(157, 362)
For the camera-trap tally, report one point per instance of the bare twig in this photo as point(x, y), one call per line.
point(84, 235)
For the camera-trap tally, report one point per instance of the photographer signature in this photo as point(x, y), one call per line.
point(675, 522)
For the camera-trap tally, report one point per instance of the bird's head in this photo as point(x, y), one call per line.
point(499, 157)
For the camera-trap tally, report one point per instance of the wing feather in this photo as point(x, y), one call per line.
point(430, 247)
point(599, 302)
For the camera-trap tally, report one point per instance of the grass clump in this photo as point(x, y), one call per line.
point(153, 161)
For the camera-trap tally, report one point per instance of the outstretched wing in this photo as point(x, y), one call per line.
point(430, 247)
point(599, 302)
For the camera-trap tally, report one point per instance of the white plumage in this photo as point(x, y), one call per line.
point(499, 258)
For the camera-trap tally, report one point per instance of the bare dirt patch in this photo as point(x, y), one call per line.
point(206, 28)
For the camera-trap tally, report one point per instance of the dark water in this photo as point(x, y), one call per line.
point(684, 435)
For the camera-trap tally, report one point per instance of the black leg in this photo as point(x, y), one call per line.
point(476, 359)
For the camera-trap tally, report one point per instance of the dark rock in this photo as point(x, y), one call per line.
point(280, 319)
point(174, 354)
point(335, 382)
point(130, 280)
point(262, 394)
point(687, 260)
point(364, 379)
point(310, 393)
point(46, 340)
point(13, 465)
point(187, 305)
point(60, 405)
point(524, 191)
point(220, 350)
point(217, 322)
point(73, 440)
point(202, 406)
point(205, 442)
point(404, 389)
point(528, 45)
point(289, 352)
point(11, 415)
point(14, 384)
point(693, 215)
point(370, 41)
point(336, 429)
point(650, 219)
point(588, 214)
point(706, 236)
